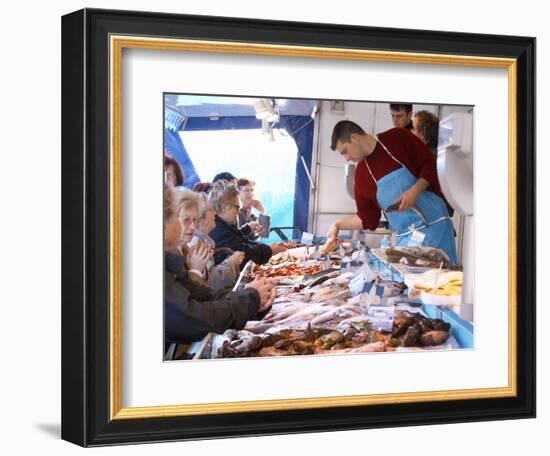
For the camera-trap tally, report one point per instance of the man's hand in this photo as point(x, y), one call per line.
point(408, 198)
point(332, 233)
point(266, 289)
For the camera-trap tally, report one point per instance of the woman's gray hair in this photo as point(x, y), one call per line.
point(204, 205)
point(222, 194)
point(185, 199)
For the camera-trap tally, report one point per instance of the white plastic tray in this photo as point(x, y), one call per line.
point(440, 300)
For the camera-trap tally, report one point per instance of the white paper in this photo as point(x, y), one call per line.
point(307, 238)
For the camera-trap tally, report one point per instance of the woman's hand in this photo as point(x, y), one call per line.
point(236, 259)
point(266, 289)
point(198, 256)
point(276, 248)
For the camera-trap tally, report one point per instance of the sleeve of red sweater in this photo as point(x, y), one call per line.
point(367, 209)
point(422, 158)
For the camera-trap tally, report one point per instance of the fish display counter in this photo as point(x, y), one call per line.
point(349, 299)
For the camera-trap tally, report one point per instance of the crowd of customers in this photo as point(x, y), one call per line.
point(210, 234)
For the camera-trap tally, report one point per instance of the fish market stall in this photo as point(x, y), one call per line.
point(346, 298)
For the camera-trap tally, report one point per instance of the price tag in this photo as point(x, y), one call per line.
point(378, 290)
point(417, 238)
point(381, 317)
point(307, 238)
point(360, 255)
point(364, 276)
point(347, 264)
point(367, 272)
point(356, 284)
point(371, 295)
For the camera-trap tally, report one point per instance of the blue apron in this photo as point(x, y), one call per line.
point(438, 233)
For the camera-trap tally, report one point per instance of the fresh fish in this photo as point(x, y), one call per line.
point(391, 288)
point(337, 313)
point(420, 256)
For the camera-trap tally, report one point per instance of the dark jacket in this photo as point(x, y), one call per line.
point(226, 235)
point(191, 310)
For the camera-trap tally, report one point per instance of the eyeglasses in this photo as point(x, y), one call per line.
point(187, 221)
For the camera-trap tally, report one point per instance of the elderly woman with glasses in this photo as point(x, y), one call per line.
point(191, 310)
point(224, 198)
point(224, 274)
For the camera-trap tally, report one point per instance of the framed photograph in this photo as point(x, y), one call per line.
point(369, 317)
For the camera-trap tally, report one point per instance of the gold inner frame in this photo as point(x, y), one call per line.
point(117, 44)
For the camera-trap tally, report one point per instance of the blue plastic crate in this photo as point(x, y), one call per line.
point(462, 330)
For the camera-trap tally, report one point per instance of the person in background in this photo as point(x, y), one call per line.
point(173, 174)
point(426, 127)
point(249, 230)
point(191, 310)
point(248, 202)
point(401, 115)
point(394, 168)
point(224, 274)
point(224, 198)
point(227, 176)
point(202, 187)
point(246, 194)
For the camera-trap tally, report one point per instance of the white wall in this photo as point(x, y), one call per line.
point(30, 189)
point(333, 200)
point(446, 110)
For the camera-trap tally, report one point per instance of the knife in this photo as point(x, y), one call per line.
point(395, 207)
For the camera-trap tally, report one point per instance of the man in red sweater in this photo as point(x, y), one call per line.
point(394, 167)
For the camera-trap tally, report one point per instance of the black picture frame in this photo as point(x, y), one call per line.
point(86, 390)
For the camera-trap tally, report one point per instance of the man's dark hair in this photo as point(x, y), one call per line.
point(342, 132)
point(224, 176)
point(401, 107)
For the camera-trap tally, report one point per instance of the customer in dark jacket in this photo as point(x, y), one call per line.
point(224, 198)
point(192, 310)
